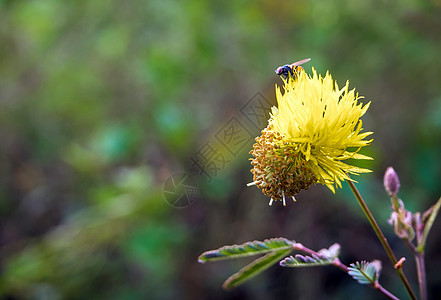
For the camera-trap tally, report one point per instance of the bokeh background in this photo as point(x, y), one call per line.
point(102, 101)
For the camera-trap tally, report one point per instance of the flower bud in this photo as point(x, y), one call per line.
point(402, 220)
point(391, 182)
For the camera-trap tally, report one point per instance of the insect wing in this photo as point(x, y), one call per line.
point(300, 62)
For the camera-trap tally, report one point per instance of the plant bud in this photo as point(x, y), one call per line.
point(391, 182)
point(401, 220)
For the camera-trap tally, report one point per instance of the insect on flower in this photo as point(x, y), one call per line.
point(286, 70)
point(314, 129)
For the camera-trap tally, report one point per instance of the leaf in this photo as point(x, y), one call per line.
point(247, 249)
point(305, 261)
point(365, 272)
point(434, 212)
point(254, 268)
point(324, 257)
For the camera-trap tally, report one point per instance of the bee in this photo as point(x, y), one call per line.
point(287, 70)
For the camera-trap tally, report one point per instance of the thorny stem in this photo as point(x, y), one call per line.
point(337, 263)
point(382, 238)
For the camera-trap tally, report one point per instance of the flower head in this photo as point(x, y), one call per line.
point(314, 129)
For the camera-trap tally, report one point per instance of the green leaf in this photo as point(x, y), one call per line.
point(365, 272)
point(254, 268)
point(304, 261)
point(247, 249)
point(434, 212)
point(322, 258)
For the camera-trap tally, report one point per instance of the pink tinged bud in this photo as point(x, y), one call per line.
point(391, 182)
point(402, 220)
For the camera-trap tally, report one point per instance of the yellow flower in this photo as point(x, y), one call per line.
point(314, 129)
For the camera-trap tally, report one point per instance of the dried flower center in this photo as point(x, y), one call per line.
point(279, 168)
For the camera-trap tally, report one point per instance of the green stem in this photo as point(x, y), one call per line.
point(419, 258)
point(382, 238)
point(421, 271)
point(344, 268)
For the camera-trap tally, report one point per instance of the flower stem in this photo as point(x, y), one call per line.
point(421, 270)
point(382, 238)
point(385, 292)
point(419, 258)
point(337, 263)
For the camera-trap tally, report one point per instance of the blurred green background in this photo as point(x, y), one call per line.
point(101, 101)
